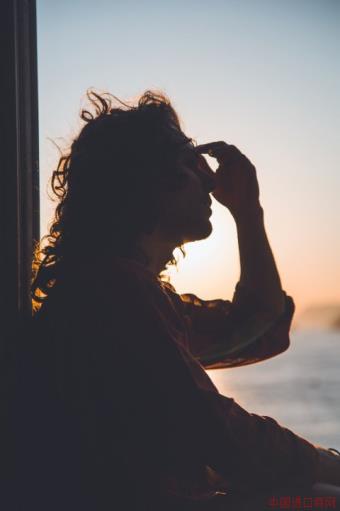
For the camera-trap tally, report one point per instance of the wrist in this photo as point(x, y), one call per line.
point(250, 214)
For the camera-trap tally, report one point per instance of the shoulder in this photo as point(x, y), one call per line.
point(107, 278)
point(118, 286)
point(91, 289)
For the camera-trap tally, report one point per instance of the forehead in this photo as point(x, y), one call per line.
point(188, 149)
point(178, 137)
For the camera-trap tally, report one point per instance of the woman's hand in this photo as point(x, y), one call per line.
point(236, 181)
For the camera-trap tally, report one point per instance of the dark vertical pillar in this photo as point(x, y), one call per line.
point(19, 190)
point(19, 217)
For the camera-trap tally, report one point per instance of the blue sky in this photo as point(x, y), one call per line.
point(263, 75)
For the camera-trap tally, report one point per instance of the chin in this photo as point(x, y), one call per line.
point(200, 231)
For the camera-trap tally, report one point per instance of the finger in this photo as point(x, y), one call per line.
point(203, 165)
point(222, 151)
point(217, 149)
point(211, 147)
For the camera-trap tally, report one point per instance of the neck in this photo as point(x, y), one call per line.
point(157, 251)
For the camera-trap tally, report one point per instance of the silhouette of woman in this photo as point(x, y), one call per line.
point(126, 416)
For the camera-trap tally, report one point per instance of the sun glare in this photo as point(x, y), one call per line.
point(211, 266)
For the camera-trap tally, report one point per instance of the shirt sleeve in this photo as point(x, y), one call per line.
point(132, 377)
point(225, 333)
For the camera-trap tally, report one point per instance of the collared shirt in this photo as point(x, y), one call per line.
point(128, 358)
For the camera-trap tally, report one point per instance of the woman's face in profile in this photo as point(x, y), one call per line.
point(187, 210)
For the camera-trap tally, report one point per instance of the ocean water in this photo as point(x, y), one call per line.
point(300, 388)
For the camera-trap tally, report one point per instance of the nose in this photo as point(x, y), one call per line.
point(207, 175)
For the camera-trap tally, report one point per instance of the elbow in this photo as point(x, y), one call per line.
point(274, 313)
point(278, 307)
point(284, 343)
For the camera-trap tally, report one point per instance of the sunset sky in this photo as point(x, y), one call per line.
point(263, 75)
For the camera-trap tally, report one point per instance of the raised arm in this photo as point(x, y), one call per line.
point(237, 189)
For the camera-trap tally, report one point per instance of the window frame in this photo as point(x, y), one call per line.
point(19, 188)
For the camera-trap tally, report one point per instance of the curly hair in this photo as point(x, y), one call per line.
point(108, 184)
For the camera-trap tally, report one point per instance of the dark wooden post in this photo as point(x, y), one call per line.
point(19, 178)
point(19, 215)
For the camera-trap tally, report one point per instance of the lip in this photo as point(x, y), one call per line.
point(208, 207)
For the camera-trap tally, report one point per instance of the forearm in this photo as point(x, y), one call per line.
point(261, 452)
point(259, 273)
